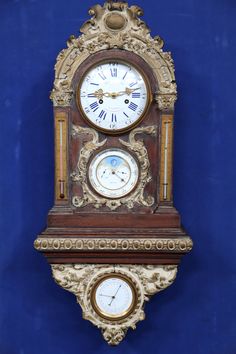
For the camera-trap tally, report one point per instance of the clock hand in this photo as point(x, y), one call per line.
point(114, 173)
point(100, 94)
point(117, 290)
point(113, 297)
point(103, 173)
point(127, 91)
point(105, 295)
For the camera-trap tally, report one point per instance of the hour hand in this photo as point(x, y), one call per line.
point(105, 295)
point(99, 94)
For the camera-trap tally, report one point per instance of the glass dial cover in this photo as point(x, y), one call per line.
point(113, 297)
point(113, 173)
point(113, 96)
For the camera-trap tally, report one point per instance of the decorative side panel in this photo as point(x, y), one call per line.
point(166, 158)
point(61, 149)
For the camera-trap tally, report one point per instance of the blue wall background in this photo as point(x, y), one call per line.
point(197, 313)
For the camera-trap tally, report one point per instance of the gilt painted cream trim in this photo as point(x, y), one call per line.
point(81, 278)
point(115, 25)
point(158, 245)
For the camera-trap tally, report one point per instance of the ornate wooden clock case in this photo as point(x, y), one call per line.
point(113, 236)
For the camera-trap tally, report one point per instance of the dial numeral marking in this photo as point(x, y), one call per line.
point(126, 115)
point(113, 125)
point(140, 111)
point(113, 118)
point(91, 95)
point(94, 106)
point(132, 84)
point(125, 75)
point(136, 95)
point(101, 74)
point(133, 106)
point(93, 83)
point(102, 115)
point(113, 72)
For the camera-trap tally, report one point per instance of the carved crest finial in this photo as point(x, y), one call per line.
point(114, 24)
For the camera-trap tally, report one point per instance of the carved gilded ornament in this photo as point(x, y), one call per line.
point(159, 245)
point(80, 279)
point(80, 174)
point(114, 25)
point(165, 102)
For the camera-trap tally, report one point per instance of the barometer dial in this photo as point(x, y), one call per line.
point(113, 173)
point(113, 297)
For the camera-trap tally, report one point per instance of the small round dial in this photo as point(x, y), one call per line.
point(113, 297)
point(113, 96)
point(113, 173)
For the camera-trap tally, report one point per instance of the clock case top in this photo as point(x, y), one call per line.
point(129, 232)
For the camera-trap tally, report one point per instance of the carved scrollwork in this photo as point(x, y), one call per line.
point(138, 147)
point(113, 25)
point(81, 278)
point(80, 174)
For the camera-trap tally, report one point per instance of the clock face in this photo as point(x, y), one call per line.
point(113, 297)
point(113, 96)
point(113, 173)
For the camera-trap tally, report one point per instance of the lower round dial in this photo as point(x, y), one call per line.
point(113, 173)
point(113, 297)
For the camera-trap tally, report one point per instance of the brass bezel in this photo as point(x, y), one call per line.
point(148, 103)
point(126, 313)
point(114, 149)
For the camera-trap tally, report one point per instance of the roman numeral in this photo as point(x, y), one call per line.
point(91, 95)
point(94, 106)
point(125, 75)
point(93, 83)
point(126, 115)
point(102, 75)
point(133, 106)
point(102, 114)
point(113, 72)
point(136, 95)
point(113, 118)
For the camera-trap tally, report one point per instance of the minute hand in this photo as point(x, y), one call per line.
point(127, 91)
point(113, 297)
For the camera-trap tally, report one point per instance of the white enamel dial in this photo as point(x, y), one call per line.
point(113, 173)
point(113, 297)
point(113, 96)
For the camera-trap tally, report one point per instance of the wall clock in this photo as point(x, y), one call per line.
point(113, 236)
